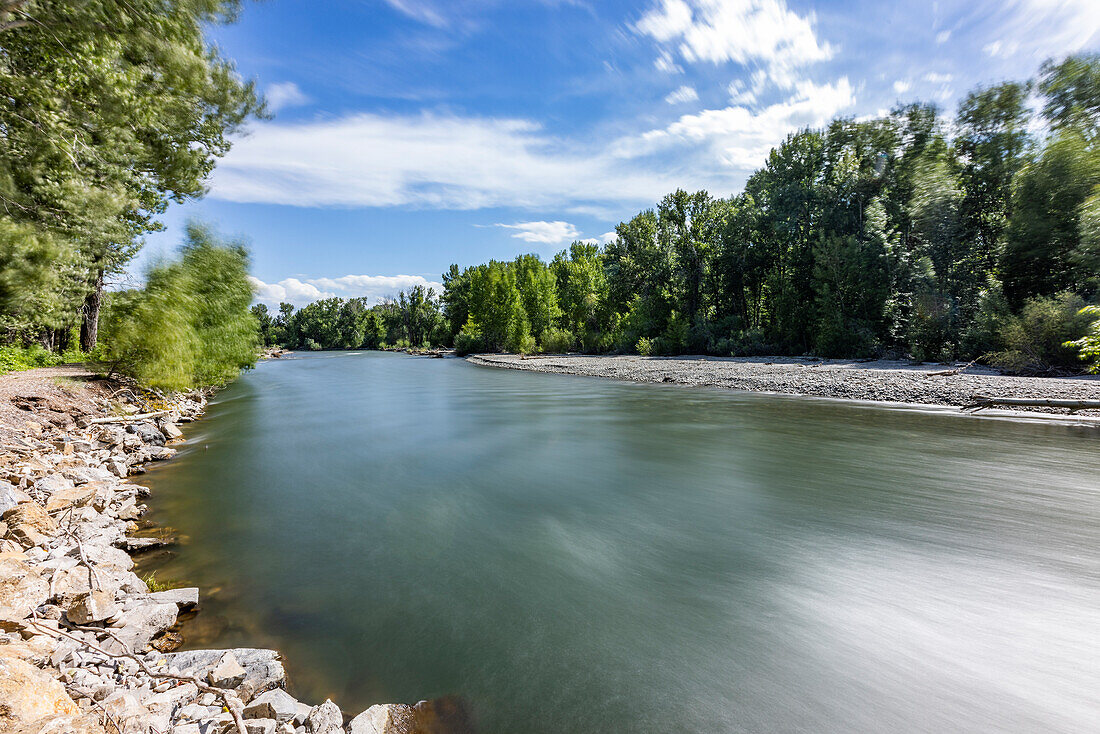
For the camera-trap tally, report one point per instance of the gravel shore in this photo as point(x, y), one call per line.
point(887, 381)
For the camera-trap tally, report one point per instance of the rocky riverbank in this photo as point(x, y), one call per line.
point(889, 381)
point(86, 647)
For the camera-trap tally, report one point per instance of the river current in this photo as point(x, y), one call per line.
point(579, 555)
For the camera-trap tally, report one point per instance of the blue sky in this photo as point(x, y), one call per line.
point(410, 134)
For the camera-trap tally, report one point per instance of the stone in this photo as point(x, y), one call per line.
point(92, 606)
point(384, 718)
point(170, 431)
point(176, 696)
point(263, 670)
point(260, 726)
point(71, 497)
point(447, 714)
point(22, 588)
point(33, 701)
point(137, 627)
point(325, 719)
point(10, 496)
point(147, 432)
point(228, 673)
point(275, 704)
point(159, 453)
point(29, 524)
point(53, 483)
point(118, 468)
point(185, 597)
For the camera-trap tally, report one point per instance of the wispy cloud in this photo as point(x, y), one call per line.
point(1037, 29)
point(682, 95)
point(284, 94)
point(548, 233)
point(419, 10)
point(372, 287)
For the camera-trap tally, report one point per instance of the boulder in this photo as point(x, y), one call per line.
point(93, 606)
point(228, 673)
point(447, 715)
point(275, 704)
point(260, 726)
point(69, 583)
point(185, 597)
point(10, 496)
point(325, 719)
point(263, 671)
point(137, 627)
point(147, 432)
point(22, 589)
point(53, 483)
point(32, 701)
point(29, 524)
point(118, 467)
point(170, 431)
point(71, 497)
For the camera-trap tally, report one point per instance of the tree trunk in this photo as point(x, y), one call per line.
point(89, 327)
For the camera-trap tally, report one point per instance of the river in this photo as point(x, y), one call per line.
point(579, 555)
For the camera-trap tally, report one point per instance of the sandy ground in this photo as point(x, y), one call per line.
point(889, 381)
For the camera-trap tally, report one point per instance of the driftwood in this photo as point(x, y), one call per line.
point(128, 418)
point(980, 402)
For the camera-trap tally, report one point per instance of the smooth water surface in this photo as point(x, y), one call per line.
point(580, 555)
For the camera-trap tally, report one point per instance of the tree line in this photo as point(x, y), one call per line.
point(914, 234)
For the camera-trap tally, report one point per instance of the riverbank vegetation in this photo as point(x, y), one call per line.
point(914, 234)
point(113, 110)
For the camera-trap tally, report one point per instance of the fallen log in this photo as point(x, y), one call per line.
point(980, 402)
point(128, 418)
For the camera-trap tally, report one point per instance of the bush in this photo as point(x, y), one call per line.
point(1042, 338)
point(470, 340)
point(931, 328)
point(312, 345)
point(557, 341)
point(984, 335)
point(644, 346)
point(190, 326)
point(1089, 345)
point(13, 359)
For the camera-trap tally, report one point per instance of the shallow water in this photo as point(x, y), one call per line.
point(580, 555)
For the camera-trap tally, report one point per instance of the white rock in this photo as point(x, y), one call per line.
point(228, 673)
point(275, 704)
point(325, 719)
point(92, 606)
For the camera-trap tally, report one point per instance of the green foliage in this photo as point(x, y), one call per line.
point(13, 359)
point(1088, 346)
point(113, 109)
point(190, 326)
point(557, 341)
point(1044, 337)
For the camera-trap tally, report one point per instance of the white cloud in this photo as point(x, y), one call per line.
point(548, 233)
point(901, 86)
point(936, 78)
point(608, 237)
point(740, 137)
point(943, 37)
point(682, 95)
point(735, 30)
point(284, 94)
point(428, 160)
point(1036, 29)
point(290, 290)
point(372, 287)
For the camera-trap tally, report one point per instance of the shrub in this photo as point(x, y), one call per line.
point(930, 330)
point(190, 325)
point(1089, 345)
point(984, 335)
point(13, 359)
point(1041, 339)
point(312, 345)
point(557, 341)
point(644, 346)
point(470, 340)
